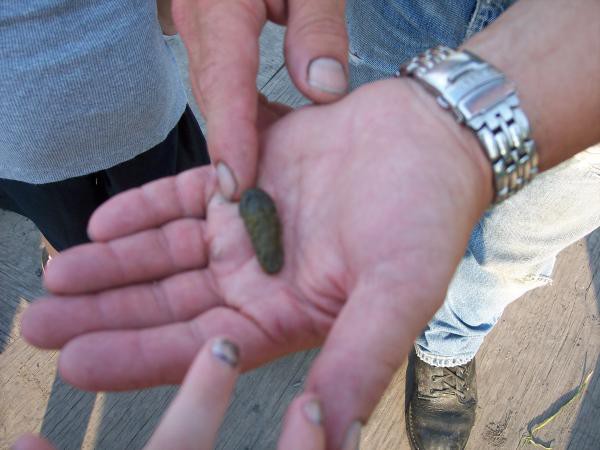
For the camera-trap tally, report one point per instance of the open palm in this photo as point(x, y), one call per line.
point(377, 195)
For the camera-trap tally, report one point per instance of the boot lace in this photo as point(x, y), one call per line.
point(452, 380)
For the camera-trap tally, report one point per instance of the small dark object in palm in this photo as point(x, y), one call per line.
point(262, 223)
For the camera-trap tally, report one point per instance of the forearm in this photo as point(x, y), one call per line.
point(551, 49)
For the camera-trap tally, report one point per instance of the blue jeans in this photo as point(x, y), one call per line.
point(514, 246)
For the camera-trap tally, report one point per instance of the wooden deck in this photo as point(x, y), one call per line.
point(528, 367)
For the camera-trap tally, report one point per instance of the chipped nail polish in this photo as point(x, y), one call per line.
point(226, 351)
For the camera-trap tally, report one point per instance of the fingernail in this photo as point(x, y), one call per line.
point(216, 199)
point(328, 75)
point(227, 183)
point(352, 440)
point(313, 412)
point(226, 351)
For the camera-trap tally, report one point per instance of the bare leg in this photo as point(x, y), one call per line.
point(48, 252)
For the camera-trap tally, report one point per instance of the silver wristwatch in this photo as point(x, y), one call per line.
point(484, 100)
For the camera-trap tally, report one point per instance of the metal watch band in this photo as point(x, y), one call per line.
point(481, 98)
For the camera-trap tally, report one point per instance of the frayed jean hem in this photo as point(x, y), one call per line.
point(442, 361)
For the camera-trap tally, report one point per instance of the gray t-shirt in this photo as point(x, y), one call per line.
point(84, 86)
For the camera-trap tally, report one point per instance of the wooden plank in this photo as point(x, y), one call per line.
point(271, 53)
point(280, 89)
point(528, 366)
point(260, 401)
point(585, 432)
point(20, 270)
point(26, 376)
point(540, 351)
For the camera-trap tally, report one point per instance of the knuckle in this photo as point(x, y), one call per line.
point(218, 13)
point(321, 25)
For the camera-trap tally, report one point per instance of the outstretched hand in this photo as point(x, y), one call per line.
point(377, 195)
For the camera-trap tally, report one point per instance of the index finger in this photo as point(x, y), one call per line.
point(221, 37)
point(194, 417)
point(153, 204)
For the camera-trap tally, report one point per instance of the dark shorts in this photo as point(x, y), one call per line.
point(61, 210)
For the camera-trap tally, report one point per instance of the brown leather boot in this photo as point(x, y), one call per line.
point(441, 409)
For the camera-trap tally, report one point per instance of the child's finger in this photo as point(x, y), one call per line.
point(195, 415)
